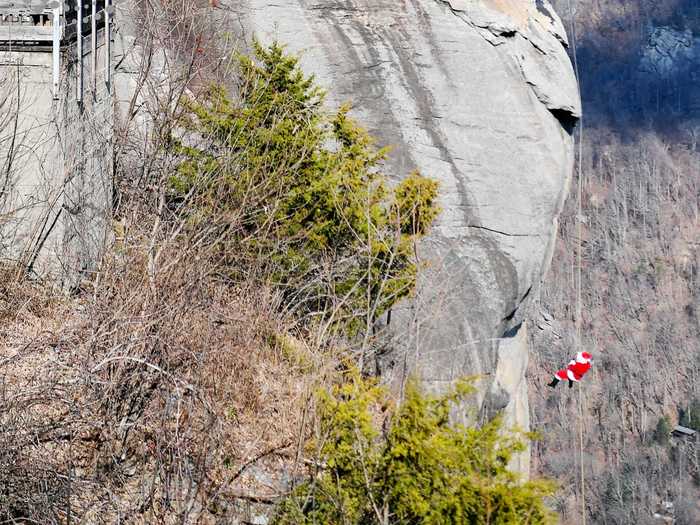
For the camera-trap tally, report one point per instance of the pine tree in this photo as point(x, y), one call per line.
point(423, 470)
point(296, 196)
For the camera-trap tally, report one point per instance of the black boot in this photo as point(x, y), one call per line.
point(554, 383)
point(571, 383)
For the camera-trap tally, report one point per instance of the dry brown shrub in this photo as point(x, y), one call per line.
point(22, 298)
point(160, 393)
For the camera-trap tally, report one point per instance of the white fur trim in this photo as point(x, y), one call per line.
point(580, 358)
point(571, 376)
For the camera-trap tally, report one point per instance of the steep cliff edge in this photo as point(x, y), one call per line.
point(481, 96)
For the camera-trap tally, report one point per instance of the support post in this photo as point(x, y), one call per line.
point(56, 49)
point(108, 43)
point(93, 51)
point(79, 50)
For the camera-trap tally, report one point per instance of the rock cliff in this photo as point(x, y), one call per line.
point(481, 96)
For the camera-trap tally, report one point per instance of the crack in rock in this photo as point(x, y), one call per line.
point(477, 227)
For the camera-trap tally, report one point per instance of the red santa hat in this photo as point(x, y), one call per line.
point(584, 357)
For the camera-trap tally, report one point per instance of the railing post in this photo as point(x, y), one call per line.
point(93, 58)
point(79, 49)
point(56, 49)
point(108, 42)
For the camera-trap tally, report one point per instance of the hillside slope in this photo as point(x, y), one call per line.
point(641, 199)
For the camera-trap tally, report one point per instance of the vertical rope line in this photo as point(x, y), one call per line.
point(580, 440)
point(579, 301)
point(579, 249)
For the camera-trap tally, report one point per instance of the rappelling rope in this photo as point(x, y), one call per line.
point(579, 249)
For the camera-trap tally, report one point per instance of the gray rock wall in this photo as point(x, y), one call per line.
point(481, 96)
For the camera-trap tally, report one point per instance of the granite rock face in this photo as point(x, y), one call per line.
point(480, 95)
point(670, 52)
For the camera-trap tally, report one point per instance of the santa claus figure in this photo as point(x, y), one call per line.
point(576, 369)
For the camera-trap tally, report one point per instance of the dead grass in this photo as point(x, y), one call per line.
point(159, 396)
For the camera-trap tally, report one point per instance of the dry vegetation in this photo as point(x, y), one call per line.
point(158, 391)
point(125, 403)
point(640, 320)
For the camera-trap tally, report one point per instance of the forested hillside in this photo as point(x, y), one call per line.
point(639, 65)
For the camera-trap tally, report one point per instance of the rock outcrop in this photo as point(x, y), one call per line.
point(669, 52)
point(480, 95)
point(668, 71)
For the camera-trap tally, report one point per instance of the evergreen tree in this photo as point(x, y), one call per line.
point(296, 196)
point(690, 415)
point(423, 470)
point(662, 431)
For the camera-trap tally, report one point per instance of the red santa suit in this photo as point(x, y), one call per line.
point(576, 368)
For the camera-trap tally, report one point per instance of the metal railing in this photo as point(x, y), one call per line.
point(26, 22)
point(50, 25)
